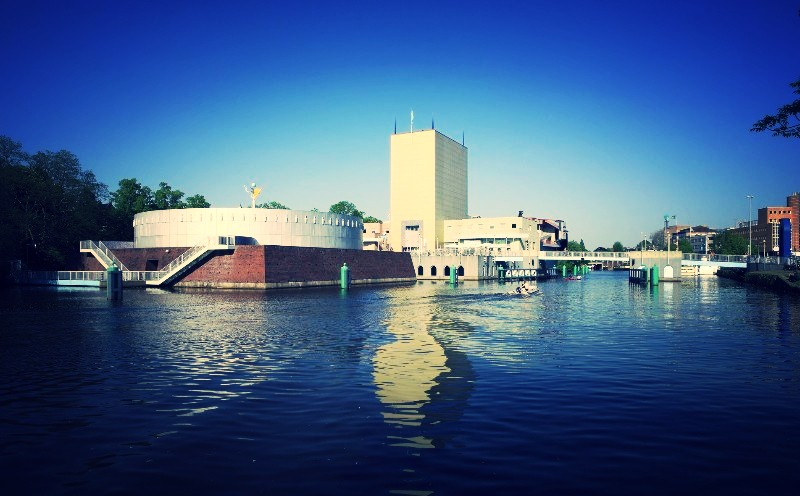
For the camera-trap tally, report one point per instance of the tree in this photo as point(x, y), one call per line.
point(165, 197)
point(132, 198)
point(786, 121)
point(685, 246)
point(730, 243)
point(617, 246)
point(346, 208)
point(273, 204)
point(658, 240)
point(573, 246)
point(48, 203)
point(371, 219)
point(11, 153)
point(197, 201)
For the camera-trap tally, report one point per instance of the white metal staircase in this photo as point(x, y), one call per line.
point(170, 272)
point(102, 253)
point(188, 259)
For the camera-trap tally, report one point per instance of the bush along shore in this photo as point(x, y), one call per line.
point(776, 280)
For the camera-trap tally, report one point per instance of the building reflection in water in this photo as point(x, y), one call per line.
point(422, 383)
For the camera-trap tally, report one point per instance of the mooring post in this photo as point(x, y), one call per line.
point(113, 283)
point(344, 276)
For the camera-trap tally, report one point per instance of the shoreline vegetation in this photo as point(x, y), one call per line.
point(785, 281)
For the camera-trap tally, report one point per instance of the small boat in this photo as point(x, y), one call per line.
point(525, 291)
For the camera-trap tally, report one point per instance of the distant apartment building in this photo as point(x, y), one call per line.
point(700, 237)
point(765, 231)
point(428, 186)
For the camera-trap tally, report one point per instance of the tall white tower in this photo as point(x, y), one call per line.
point(428, 185)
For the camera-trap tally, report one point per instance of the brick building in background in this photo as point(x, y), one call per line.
point(765, 231)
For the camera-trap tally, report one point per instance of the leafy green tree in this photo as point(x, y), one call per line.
point(658, 240)
point(574, 246)
point(13, 162)
point(165, 197)
point(786, 120)
point(730, 243)
point(346, 208)
point(132, 198)
point(371, 219)
point(47, 204)
point(617, 246)
point(197, 201)
point(685, 246)
point(11, 153)
point(273, 204)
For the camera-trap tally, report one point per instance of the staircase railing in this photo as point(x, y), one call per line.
point(105, 249)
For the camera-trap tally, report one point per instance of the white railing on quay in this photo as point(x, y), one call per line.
point(700, 257)
point(62, 275)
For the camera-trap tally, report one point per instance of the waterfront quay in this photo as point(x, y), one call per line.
point(594, 386)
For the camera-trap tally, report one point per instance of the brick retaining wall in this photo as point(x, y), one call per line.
point(293, 266)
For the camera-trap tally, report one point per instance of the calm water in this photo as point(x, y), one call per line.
point(595, 387)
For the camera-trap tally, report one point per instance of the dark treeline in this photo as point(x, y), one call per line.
point(48, 204)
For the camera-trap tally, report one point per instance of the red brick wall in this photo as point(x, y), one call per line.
point(290, 263)
point(283, 264)
point(243, 265)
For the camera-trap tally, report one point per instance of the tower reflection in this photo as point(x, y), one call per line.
point(422, 382)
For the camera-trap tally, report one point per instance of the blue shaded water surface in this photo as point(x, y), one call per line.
point(594, 387)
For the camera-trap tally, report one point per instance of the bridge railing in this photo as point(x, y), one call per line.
point(588, 255)
point(700, 257)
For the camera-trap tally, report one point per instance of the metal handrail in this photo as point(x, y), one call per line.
point(102, 246)
point(700, 257)
point(167, 270)
point(63, 275)
point(92, 246)
point(586, 254)
point(102, 251)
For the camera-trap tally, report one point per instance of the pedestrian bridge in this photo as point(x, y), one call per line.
point(694, 259)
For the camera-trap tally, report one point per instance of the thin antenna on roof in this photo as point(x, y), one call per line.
point(395, 125)
point(462, 138)
point(412, 120)
point(432, 126)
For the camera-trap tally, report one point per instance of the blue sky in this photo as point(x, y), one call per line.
point(605, 114)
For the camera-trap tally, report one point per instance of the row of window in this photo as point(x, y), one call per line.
point(232, 218)
point(433, 272)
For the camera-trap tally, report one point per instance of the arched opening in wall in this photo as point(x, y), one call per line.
point(433, 270)
point(447, 271)
point(420, 272)
point(460, 270)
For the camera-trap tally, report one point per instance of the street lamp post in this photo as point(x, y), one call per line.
point(750, 225)
point(666, 226)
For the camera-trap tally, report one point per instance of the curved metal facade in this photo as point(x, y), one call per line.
point(201, 226)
